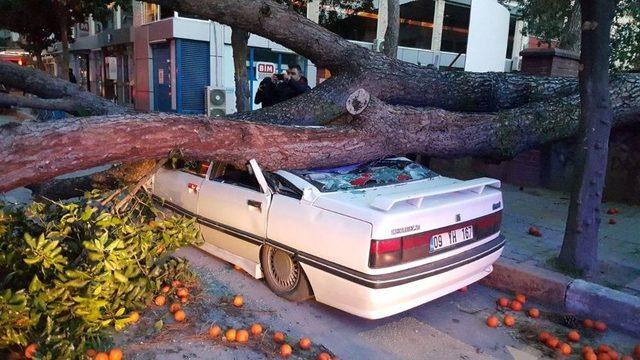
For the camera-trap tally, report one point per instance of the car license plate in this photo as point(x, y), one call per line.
point(450, 238)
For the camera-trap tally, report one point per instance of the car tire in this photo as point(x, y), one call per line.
point(284, 275)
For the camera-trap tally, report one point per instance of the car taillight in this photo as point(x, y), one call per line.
point(384, 253)
point(487, 225)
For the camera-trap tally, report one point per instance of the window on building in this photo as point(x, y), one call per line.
point(455, 30)
point(151, 12)
point(416, 23)
point(356, 20)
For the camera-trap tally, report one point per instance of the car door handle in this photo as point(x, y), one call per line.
point(255, 204)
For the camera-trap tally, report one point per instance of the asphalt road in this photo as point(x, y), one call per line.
point(452, 327)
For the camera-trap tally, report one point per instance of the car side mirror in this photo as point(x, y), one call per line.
point(308, 195)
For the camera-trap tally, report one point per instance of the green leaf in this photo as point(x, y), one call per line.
point(158, 325)
point(29, 240)
point(120, 311)
point(120, 277)
point(31, 261)
point(88, 211)
point(35, 284)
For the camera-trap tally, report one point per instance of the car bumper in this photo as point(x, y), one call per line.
point(376, 297)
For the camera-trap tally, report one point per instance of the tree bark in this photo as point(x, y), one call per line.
point(52, 91)
point(240, 47)
point(64, 39)
point(580, 245)
point(570, 39)
point(392, 32)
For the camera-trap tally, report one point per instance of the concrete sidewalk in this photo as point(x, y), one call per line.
point(619, 248)
point(528, 263)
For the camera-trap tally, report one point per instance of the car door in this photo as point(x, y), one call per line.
point(178, 185)
point(233, 206)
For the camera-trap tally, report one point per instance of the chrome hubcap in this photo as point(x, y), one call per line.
point(285, 272)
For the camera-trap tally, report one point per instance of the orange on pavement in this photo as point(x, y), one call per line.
point(115, 354)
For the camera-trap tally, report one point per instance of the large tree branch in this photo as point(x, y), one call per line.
point(71, 97)
point(34, 152)
point(65, 104)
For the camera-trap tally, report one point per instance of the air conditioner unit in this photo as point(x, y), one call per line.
point(216, 101)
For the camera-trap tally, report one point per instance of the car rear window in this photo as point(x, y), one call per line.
point(371, 174)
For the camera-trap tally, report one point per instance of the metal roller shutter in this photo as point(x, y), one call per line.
point(193, 75)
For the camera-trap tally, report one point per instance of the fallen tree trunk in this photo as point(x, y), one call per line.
point(411, 109)
point(33, 152)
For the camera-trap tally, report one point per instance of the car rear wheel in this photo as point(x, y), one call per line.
point(284, 275)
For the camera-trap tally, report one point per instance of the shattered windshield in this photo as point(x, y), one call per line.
point(375, 173)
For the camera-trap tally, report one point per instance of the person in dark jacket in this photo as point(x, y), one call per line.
point(293, 84)
point(278, 88)
point(266, 93)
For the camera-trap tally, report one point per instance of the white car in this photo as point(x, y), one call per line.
point(372, 239)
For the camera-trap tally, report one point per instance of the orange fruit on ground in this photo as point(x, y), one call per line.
point(516, 305)
point(552, 342)
point(242, 336)
point(589, 356)
point(160, 300)
point(165, 289)
point(176, 283)
point(534, 313)
point(91, 353)
point(509, 320)
point(278, 337)
point(565, 349)
point(603, 356)
point(305, 344)
point(613, 355)
point(521, 298)
point(573, 336)
point(30, 351)
point(586, 349)
point(492, 321)
point(256, 329)
point(323, 356)
point(174, 307)
point(101, 356)
point(184, 300)
point(134, 317)
point(230, 335)
point(179, 316)
point(587, 323)
point(603, 348)
point(627, 357)
point(503, 302)
point(543, 336)
point(182, 292)
point(237, 301)
point(600, 326)
point(115, 354)
point(214, 331)
point(285, 350)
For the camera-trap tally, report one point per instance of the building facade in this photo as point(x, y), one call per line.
point(152, 58)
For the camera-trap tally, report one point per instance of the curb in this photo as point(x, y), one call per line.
point(579, 297)
point(537, 283)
